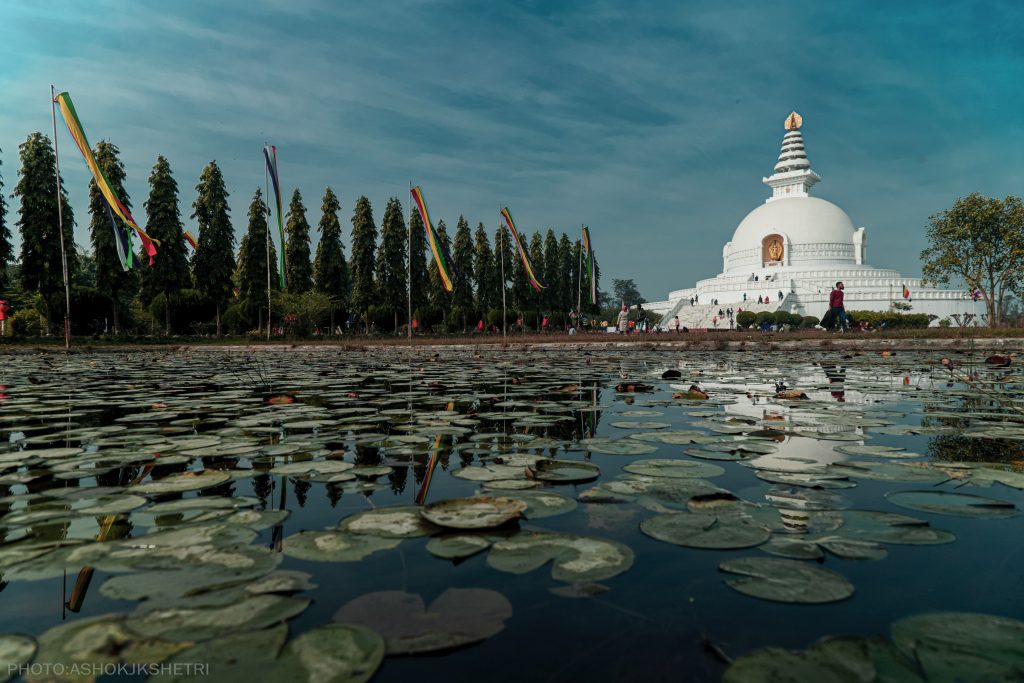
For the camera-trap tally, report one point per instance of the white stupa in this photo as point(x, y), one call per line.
point(791, 250)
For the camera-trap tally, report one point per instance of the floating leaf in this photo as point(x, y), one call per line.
point(953, 504)
point(574, 558)
point(389, 522)
point(846, 659)
point(458, 617)
point(705, 530)
point(786, 580)
point(684, 469)
point(478, 512)
point(962, 646)
point(184, 481)
point(564, 471)
point(335, 546)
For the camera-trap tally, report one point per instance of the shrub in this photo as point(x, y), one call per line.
point(24, 323)
point(764, 317)
point(809, 322)
point(889, 319)
point(745, 319)
point(945, 322)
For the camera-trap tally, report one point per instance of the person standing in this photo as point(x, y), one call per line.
point(836, 307)
point(676, 323)
point(623, 321)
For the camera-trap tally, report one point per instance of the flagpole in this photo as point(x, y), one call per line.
point(60, 226)
point(408, 272)
point(266, 185)
point(501, 245)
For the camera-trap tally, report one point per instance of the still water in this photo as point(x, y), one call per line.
point(88, 439)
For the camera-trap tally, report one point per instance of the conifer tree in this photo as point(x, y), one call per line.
point(251, 273)
point(439, 298)
point(506, 267)
point(42, 268)
point(169, 272)
point(554, 278)
point(6, 248)
point(418, 267)
point(462, 263)
point(297, 268)
point(112, 280)
point(214, 262)
point(570, 274)
point(390, 269)
point(538, 298)
point(364, 243)
point(330, 270)
point(484, 279)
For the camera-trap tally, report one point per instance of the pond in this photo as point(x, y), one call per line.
point(510, 515)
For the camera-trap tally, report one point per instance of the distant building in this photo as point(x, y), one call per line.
point(800, 246)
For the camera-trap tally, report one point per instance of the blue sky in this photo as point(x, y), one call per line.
point(652, 122)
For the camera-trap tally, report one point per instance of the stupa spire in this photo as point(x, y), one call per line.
point(792, 176)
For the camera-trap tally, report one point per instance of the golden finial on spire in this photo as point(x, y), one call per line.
point(794, 121)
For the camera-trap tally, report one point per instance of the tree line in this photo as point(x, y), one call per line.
point(217, 289)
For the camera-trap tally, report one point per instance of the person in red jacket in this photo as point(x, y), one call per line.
point(835, 306)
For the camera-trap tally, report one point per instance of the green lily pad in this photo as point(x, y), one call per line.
point(786, 580)
point(892, 528)
point(335, 546)
point(961, 646)
point(887, 471)
point(477, 512)
point(283, 581)
point(607, 446)
point(573, 558)
point(389, 522)
point(192, 624)
point(459, 546)
point(541, 504)
point(312, 468)
point(705, 530)
point(847, 659)
point(458, 617)
point(953, 504)
point(564, 471)
point(511, 484)
point(15, 651)
point(681, 469)
point(489, 473)
point(640, 424)
point(184, 481)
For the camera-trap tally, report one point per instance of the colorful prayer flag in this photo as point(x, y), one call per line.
point(70, 116)
point(122, 241)
point(270, 154)
point(537, 286)
point(190, 238)
point(589, 259)
point(441, 256)
point(906, 292)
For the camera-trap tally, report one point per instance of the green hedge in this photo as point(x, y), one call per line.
point(891, 319)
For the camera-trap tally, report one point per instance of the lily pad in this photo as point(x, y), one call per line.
point(477, 512)
point(786, 580)
point(573, 558)
point(682, 469)
point(389, 522)
point(184, 481)
point(458, 617)
point(185, 624)
point(962, 646)
point(335, 546)
point(953, 504)
point(15, 651)
point(846, 659)
point(607, 446)
point(705, 530)
point(564, 471)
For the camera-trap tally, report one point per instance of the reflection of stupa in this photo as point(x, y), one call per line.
point(799, 246)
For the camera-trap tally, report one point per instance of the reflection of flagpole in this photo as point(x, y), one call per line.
point(60, 226)
point(579, 279)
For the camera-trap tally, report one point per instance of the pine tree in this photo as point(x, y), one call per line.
point(112, 280)
point(538, 298)
point(364, 243)
point(554, 278)
point(297, 268)
point(6, 248)
point(462, 263)
point(505, 266)
point(484, 279)
point(570, 274)
point(169, 272)
point(439, 299)
point(251, 272)
point(418, 267)
point(42, 267)
point(330, 270)
point(390, 270)
point(214, 262)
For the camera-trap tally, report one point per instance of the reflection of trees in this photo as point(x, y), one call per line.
point(397, 478)
point(333, 494)
point(301, 488)
point(262, 487)
point(954, 447)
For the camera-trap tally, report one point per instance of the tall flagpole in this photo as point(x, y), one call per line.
point(60, 226)
point(504, 314)
point(408, 272)
point(266, 183)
